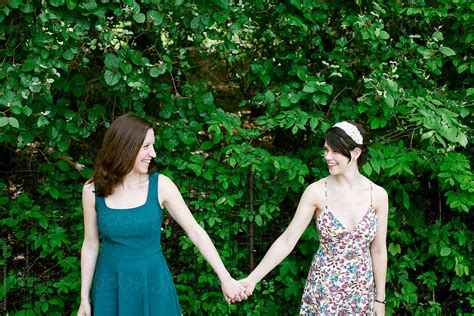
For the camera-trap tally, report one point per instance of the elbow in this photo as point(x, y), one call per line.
point(197, 234)
point(379, 253)
point(288, 243)
point(90, 245)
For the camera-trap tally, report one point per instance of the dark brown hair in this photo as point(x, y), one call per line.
point(339, 141)
point(120, 147)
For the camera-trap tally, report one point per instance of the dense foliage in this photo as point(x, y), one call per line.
point(241, 94)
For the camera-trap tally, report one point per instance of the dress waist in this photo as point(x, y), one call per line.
point(126, 252)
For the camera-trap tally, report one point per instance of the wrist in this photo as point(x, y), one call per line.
point(224, 277)
point(252, 279)
point(380, 301)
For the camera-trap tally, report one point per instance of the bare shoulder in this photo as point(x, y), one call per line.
point(380, 197)
point(314, 193)
point(88, 197)
point(165, 184)
point(164, 179)
point(317, 187)
point(167, 190)
point(88, 189)
point(379, 192)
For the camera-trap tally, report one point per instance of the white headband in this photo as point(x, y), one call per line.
point(351, 130)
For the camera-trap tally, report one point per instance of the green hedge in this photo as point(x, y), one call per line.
point(240, 94)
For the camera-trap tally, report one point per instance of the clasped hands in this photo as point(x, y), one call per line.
point(236, 291)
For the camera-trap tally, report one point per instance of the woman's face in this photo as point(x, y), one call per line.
point(337, 162)
point(146, 154)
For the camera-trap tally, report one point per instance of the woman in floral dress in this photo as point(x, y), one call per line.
point(347, 276)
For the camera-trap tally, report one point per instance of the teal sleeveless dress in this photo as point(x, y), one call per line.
point(131, 275)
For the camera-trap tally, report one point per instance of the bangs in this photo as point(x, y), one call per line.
point(335, 139)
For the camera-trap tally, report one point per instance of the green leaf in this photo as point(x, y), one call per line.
point(10, 222)
point(139, 18)
point(265, 78)
point(43, 221)
point(384, 35)
point(14, 4)
point(221, 200)
point(68, 54)
point(445, 251)
point(326, 88)
point(71, 4)
point(447, 51)
point(207, 98)
point(111, 62)
point(28, 65)
point(3, 121)
point(13, 122)
point(219, 18)
point(394, 249)
point(54, 192)
point(111, 78)
point(195, 22)
point(4, 200)
point(62, 165)
point(269, 96)
point(310, 87)
point(155, 16)
point(42, 121)
point(367, 169)
point(158, 71)
point(207, 145)
point(56, 3)
point(389, 100)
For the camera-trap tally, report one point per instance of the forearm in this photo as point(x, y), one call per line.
point(89, 253)
point(379, 262)
point(204, 243)
point(279, 250)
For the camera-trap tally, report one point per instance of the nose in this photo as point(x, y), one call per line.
point(328, 155)
point(152, 152)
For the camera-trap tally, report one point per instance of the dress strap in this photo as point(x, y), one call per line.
point(371, 196)
point(326, 194)
point(153, 186)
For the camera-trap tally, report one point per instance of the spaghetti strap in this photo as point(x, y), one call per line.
point(371, 196)
point(326, 194)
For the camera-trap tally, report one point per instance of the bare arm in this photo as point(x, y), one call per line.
point(90, 247)
point(378, 248)
point(171, 199)
point(287, 241)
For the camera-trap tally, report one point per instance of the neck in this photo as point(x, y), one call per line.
point(351, 178)
point(132, 180)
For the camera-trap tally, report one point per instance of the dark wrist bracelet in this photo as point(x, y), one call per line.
point(381, 302)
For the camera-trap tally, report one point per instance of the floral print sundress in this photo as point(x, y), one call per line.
point(340, 280)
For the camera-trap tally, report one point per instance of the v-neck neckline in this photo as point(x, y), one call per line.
point(344, 227)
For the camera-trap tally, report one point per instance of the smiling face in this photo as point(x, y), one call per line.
point(146, 153)
point(337, 162)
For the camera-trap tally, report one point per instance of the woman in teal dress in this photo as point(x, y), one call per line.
point(123, 204)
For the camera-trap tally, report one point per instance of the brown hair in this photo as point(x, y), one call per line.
point(339, 141)
point(120, 147)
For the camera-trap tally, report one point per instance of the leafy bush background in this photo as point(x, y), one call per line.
point(241, 94)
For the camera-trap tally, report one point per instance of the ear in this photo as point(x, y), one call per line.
point(355, 153)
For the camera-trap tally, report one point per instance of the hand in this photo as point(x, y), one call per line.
point(379, 309)
point(233, 291)
point(84, 309)
point(248, 284)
